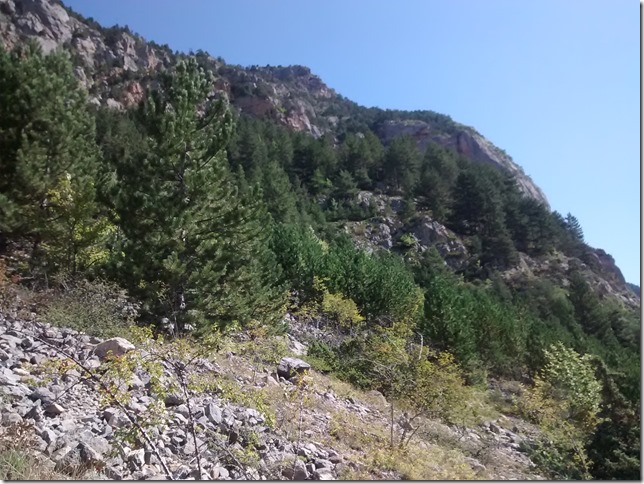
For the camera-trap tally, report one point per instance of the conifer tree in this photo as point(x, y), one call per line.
point(277, 191)
point(402, 164)
point(574, 227)
point(437, 177)
point(588, 312)
point(194, 250)
point(48, 157)
point(346, 187)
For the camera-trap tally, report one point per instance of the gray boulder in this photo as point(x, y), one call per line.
point(324, 474)
point(115, 346)
point(213, 412)
point(290, 367)
point(12, 418)
point(295, 471)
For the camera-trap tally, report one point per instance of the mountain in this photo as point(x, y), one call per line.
point(115, 65)
point(404, 256)
point(635, 288)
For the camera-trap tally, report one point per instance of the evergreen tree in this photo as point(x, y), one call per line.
point(616, 444)
point(280, 148)
point(532, 227)
point(402, 164)
point(438, 175)
point(277, 191)
point(361, 155)
point(574, 227)
point(194, 249)
point(346, 187)
point(476, 203)
point(497, 249)
point(587, 308)
point(48, 158)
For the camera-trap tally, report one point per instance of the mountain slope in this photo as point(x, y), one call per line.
point(250, 225)
point(115, 65)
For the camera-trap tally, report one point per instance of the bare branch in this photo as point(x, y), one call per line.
point(92, 376)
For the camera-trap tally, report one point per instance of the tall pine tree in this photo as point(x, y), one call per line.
point(48, 159)
point(194, 250)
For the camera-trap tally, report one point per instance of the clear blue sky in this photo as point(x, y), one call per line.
point(555, 83)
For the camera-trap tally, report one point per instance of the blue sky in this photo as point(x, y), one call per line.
point(554, 83)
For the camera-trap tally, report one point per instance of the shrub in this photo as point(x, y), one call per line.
point(407, 241)
point(97, 308)
point(341, 309)
point(565, 401)
point(321, 357)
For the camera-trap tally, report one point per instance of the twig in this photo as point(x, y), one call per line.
point(114, 399)
point(231, 455)
point(73, 385)
point(180, 374)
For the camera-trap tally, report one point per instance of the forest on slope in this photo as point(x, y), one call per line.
point(220, 221)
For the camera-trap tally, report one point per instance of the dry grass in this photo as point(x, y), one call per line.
point(19, 465)
point(363, 440)
point(19, 462)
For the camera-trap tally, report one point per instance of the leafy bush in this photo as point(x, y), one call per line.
point(407, 241)
point(565, 401)
point(334, 306)
point(321, 356)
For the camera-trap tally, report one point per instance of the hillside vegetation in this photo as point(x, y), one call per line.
point(210, 223)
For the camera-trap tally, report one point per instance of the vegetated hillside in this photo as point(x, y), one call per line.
point(217, 198)
point(254, 416)
point(116, 65)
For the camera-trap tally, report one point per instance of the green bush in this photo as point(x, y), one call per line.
point(565, 401)
point(321, 356)
point(407, 241)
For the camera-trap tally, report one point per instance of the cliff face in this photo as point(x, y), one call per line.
point(115, 65)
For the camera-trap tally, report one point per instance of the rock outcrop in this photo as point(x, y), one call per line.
point(605, 280)
point(387, 231)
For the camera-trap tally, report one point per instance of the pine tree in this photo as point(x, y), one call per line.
point(574, 227)
point(531, 226)
point(402, 164)
point(195, 250)
point(437, 177)
point(346, 187)
point(48, 158)
point(277, 191)
point(588, 311)
point(477, 204)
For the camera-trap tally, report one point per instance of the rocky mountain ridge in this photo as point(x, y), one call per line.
point(115, 65)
